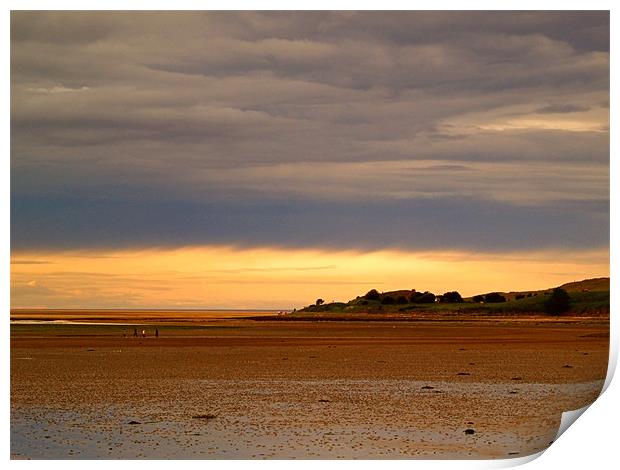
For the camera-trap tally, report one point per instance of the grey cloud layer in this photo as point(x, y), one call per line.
point(170, 113)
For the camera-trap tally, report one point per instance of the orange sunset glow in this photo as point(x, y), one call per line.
point(227, 277)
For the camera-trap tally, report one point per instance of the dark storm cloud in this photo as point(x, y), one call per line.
point(449, 223)
point(499, 116)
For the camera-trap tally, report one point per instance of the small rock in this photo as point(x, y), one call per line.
point(427, 387)
point(207, 416)
point(469, 431)
point(463, 373)
point(323, 400)
point(567, 366)
point(135, 422)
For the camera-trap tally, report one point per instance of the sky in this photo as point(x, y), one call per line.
point(265, 159)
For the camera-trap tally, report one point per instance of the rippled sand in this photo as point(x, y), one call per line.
point(244, 389)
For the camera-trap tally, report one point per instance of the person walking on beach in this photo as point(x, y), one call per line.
point(156, 333)
point(144, 333)
point(135, 332)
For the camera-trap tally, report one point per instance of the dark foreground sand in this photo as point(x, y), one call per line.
point(248, 389)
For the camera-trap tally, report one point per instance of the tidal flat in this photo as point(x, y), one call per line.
point(233, 388)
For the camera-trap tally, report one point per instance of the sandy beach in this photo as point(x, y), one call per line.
point(234, 388)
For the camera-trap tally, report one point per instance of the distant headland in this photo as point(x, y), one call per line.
point(589, 297)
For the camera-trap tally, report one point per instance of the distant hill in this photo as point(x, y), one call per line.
point(587, 297)
point(599, 284)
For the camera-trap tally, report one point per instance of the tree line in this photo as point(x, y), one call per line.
point(427, 297)
point(556, 303)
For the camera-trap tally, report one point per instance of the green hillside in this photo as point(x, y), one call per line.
point(599, 284)
point(587, 297)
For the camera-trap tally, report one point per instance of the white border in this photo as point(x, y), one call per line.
point(590, 443)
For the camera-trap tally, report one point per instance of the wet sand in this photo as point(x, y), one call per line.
point(264, 389)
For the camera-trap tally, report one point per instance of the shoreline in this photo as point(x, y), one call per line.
point(60, 319)
point(300, 389)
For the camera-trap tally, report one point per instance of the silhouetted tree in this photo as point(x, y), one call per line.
point(478, 298)
point(494, 297)
point(401, 299)
point(373, 295)
point(413, 298)
point(558, 302)
point(388, 300)
point(319, 302)
point(451, 297)
point(426, 298)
